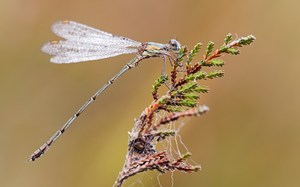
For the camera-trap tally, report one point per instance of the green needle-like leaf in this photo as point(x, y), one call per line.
point(209, 48)
point(193, 52)
point(228, 38)
point(215, 74)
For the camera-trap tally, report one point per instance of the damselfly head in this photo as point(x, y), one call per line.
point(174, 45)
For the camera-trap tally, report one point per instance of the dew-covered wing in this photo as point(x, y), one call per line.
point(84, 43)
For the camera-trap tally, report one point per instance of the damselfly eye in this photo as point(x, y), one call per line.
point(175, 45)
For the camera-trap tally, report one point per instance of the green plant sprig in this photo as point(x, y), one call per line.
point(181, 100)
point(185, 88)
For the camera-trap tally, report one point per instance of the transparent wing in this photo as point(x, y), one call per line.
point(74, 31)
point(84, 43)
point(66, 51)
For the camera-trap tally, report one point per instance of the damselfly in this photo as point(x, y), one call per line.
point(83, 43)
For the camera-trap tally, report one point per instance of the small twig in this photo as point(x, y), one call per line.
point(181, 100)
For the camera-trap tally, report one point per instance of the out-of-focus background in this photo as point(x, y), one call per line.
point(251, 136)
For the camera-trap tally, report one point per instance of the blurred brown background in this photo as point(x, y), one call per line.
point(249, 138)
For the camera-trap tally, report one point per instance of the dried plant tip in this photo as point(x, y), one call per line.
point(191, 112)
